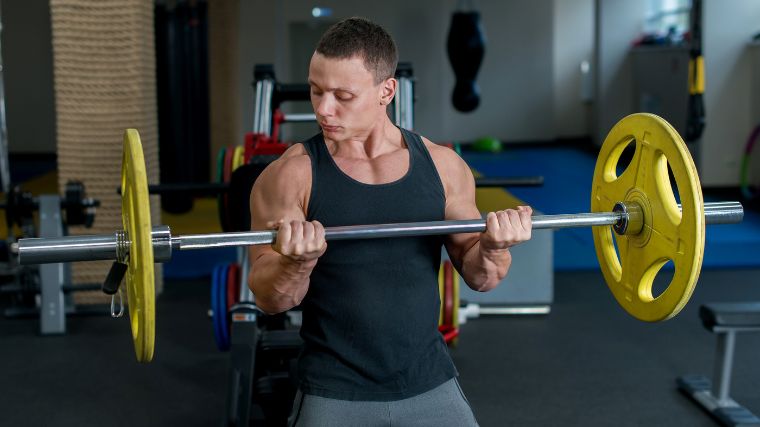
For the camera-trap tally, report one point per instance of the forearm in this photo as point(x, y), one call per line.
point(278, 282)
point(484, 269)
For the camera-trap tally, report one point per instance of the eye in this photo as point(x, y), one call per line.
point(316, 92)
point(344, 96)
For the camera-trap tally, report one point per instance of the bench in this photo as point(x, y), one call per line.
point(726, 320)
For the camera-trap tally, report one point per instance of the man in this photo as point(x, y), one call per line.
point(372, 352)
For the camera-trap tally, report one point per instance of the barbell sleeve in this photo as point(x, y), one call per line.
point(102, 247)
point(66, 249)
point(723, 213)
point(86, 247)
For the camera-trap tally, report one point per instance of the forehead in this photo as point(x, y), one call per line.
point(330, 71)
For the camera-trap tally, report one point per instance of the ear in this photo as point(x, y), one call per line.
point(388, 90)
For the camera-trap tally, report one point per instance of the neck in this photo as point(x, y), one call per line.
point(381, 139)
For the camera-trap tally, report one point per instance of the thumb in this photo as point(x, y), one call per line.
point(275, 224)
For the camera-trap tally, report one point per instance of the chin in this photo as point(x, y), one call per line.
point(332, 132)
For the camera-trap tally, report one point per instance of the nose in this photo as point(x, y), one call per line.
point(324, 106)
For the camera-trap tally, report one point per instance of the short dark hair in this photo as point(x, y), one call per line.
point(365, 39)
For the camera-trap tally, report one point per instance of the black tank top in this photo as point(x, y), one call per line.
point(370, 317)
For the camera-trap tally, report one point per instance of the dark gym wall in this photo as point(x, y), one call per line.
point(259, 42)
point(573, 86)
point(516, 78)
point(617, 23)
point(727, 28)
point(303, 37)
point(28, 76)
point(520, 73)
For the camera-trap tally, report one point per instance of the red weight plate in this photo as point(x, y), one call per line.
point(233, 284)
point(448, 293)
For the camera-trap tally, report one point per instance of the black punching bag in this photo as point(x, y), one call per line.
point(466, 45)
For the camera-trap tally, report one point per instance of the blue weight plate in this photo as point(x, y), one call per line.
point(224, 332)
point(215, 309)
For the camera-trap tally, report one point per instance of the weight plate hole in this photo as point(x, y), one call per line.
point(656, 280)
point(626, 157)
point(667, 188)
point(663, 279)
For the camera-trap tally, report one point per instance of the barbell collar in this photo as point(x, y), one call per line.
point(162, 243)
point(632, 219)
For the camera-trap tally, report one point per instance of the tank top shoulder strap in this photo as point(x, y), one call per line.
point(420, 156)
point(417, 146)
point(413, 141)
point(314, 147)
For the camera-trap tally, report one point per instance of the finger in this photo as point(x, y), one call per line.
point(284, 234)
point(308, 231)
point(297, 240)
point(297, 233)
point(319, 229)
point(525, 218)
point(525, 209)
point(514, 220)
point(504, 221)
point(492, 222)
point(311, 240)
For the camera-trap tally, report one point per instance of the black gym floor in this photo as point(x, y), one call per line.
point(585, 364)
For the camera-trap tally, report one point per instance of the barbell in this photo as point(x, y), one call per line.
point(639, 204)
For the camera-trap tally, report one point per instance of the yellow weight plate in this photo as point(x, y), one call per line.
point(135, 213)
point(668, 234)
point(238, 157)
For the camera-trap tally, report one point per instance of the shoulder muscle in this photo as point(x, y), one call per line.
point(282, 190)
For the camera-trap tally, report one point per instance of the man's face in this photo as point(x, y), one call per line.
point(345, 98)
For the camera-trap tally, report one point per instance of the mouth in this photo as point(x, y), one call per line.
point(329, 128)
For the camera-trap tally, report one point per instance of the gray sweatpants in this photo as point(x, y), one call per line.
point(442, 406)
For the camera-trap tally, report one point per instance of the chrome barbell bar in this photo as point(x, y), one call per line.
point(106, 247)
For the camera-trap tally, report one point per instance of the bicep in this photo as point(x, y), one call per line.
point(460, 205)
point(274, 198)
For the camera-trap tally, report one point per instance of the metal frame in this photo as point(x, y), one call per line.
point(714, 396)
point(52, 276)
point(262, 105)
point(5, 174)
point(403, 103)
point(244, 339)
point(55, 288)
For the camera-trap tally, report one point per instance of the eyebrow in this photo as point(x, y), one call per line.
point(333, 89)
